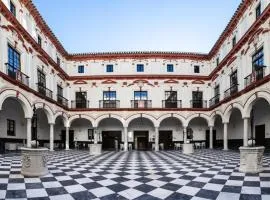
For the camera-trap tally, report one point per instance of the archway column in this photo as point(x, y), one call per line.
point(125, 138)
point(185, 134)
point(156, 138)
point(211, 137)
point(67, 138)
point(28, 132)
point(225, 136)
point(51, 136)
point(245, 136)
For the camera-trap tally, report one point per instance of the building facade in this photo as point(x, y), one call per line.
point(138, 99)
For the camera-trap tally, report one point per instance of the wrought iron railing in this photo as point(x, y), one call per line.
point(198, 103)
point(214, 100)
point(109, 104)
point(80, 104)
point(17, 74)
point(231, 91)
point(141, 103)
point(256, 75)
point(44, 91)
point(62, 100)
point(171, 104)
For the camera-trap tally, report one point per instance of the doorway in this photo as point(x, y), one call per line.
point(141, 140)
point(111, 139)
point(165, 137)
point(260, 135)
point(207, 137)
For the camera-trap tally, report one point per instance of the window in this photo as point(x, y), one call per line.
point(12, 8)
point(39, 41)
point(170, 68)
point(258, 11)
point(59, 90)
point(81, 99)
point(41, 82)
point(217, 61)
point(216, 90)
point(233, 78)
point(109, 68)
point(197, 99)
point(81, 69)
point(234, 41)
point(258, 59)
point(140, 95)
point(10, 127)
point(140, 68)
point(58, 61)
point(90, 134)
point(171, 95)
point(196, 69)
point(109, 95)
point(14, 63)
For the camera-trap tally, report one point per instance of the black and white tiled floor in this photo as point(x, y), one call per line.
point(144, 175)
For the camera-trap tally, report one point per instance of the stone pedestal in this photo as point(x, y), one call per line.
point(188, 148)
point(251, 159)
point(34, 161)
point(95, 149)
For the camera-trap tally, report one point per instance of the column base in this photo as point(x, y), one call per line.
point(225, 149)
point(188, 148)
point(95, 149)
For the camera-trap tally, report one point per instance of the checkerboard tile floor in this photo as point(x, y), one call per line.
point(144, 175)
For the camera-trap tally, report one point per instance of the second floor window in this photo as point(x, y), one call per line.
point(140, 95)
point(39, 41)
point(258, 11)
point(59, 90)
point(196, 69)
point(81, 99)
point(233, 78)
point(10, 127)
point(170, 68)
point(140, 68)
point(81, 69)
point(109, 95)
point(109, 68)
point(258, 59)
point(216, 91)
point(14, 58)
point(12, 8)
point(197, 99)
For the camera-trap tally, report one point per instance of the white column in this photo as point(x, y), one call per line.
point(185, 134)
point(225, 136)
point(51, 136)
point(95, 135)
point(156, 138)
point(125, 138)
point(67, 138)
point(28, 132)
point(211, 137)
point(245, 137)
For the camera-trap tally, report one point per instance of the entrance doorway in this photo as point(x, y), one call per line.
point(260, 135)
point(207, 136)
point(71, 138)
point(141, 140)
point(111, 139)
point(165, 137)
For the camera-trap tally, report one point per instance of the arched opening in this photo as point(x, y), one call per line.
point(43, 128)
point(13, 125)
point(235, 129)
point(59, 127)
point(112, 133)
point(141, 133)
point(170, 132)
point(197, 135)
point(217, 132)
point(81, 134)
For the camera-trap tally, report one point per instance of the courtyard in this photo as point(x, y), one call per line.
point(74, 174)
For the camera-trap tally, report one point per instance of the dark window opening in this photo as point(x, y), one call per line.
point(10, 127)
point(170, 68)
point(258, 11)
point(196, 69)
point(109, 68)
point(12, 8)
point(140, 68)
point(81, 69)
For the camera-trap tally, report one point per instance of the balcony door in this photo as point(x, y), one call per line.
point(170, 99)
point(234, 82)
point(109, 99)
point(197, 99)
point(41, 82)
point(14, 63)
point(140, 99)
point(59, 94)
point(81, 99)
point(258, 64)
point(216, 94)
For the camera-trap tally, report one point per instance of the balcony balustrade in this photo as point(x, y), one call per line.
point(231, 91)
point(44, 91)
point(62, 100)
point(171, 104)
point(17, 75)
point(109, 104)
point(79, 104)
point(254, 76)
point(198, 103)
point(214, 100)
point(141, 103)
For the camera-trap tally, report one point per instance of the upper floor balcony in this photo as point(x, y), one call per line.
point(141, 104)
point(231, 91)
point(255, 76)
point(79, 104)
point(198, 103)
point(44, 91)
point(171, 104)
point(62, 100)
point(109, 104)
point(215, 100)
point(17, 75)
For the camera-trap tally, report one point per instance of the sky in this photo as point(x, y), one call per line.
point(137, 25)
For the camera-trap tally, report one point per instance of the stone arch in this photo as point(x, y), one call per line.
point(108, 116)
point(213, 116)
point(139, 115)
point(165, 116)
point(80, 116)
point(229, 109)
point(252, 100)
point(63, 115)
point(200, 115)
point(25, 103)
point(47, 109)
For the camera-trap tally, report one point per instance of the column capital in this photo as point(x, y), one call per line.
point(245, 118)
point(52, 123)
point(211, 126)
point(156, 127)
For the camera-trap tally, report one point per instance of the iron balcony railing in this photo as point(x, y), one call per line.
point(198, 103)
point(214, 100)
point(62, 100)
point(171, 104)
point(141, 103)
point(44, 91)
point(16, 74)
point(256, 75)
point(80, 104)
point(109, 104)
point(231, 91)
